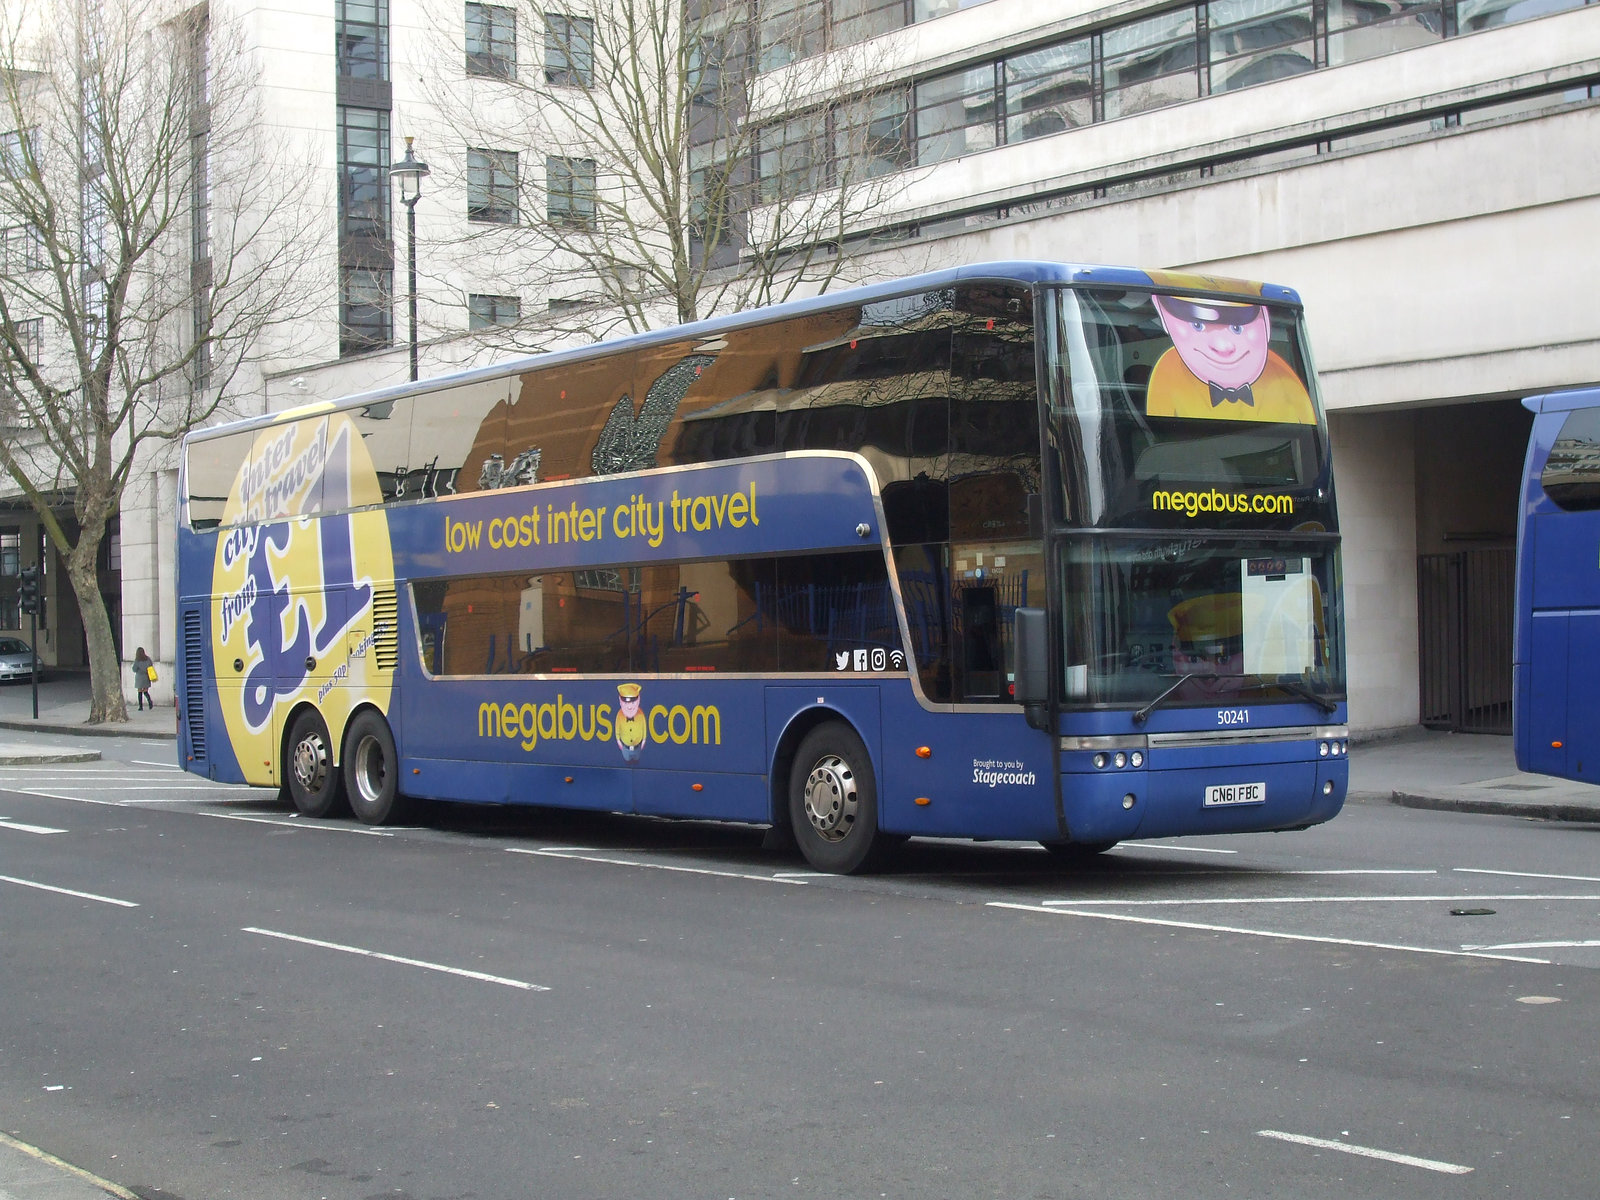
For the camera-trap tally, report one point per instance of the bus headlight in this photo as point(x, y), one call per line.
point(1137, 758)
point(1322, 749)
point(1120, 759)
point(1100, 760)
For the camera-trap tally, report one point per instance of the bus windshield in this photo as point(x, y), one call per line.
point(1174, 411)
point(1219, 621)
point(1195, 505)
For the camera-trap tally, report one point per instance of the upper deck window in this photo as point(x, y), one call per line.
point(1571, 475)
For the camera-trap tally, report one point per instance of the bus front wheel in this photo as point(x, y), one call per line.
point(372, 770)
point(314, 783)
point(833, 802)
point(1077, 852)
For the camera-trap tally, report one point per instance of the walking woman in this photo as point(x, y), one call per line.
point(141, 678)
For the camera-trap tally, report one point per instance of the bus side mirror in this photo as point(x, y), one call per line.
point(1030, 642)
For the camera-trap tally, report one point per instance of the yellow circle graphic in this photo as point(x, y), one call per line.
point(303, 605)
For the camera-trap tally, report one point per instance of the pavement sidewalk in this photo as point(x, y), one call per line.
point(64, 708)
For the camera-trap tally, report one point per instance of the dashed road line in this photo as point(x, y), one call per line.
point(574, 854)
point(1130, 919)
point(294, 824)
point(20, 827)
point(1406, 1160)
point(1243, 900)
point(1529, 875)
point(46, 887)
point(395, 958)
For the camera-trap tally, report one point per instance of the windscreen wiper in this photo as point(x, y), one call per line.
point(1297, 687)
point(1141, 715)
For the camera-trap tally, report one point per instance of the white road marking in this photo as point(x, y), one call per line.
point(8, 823)
point(1529, 875)
point(562, 852)
point(291, 823)
point(45, 887)
point(1535, 946)
point(394, 958)
point(1266, 933)
point(166, 766)
point(1407, 1160)
point(59, 796)
point(1160, 846)
point(104, 1185)
point(1313, 900)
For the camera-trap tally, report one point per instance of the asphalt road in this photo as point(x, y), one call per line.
point(205, 996)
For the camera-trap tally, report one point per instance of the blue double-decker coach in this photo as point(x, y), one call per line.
point(1020, 550)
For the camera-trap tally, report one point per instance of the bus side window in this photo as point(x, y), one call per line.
point(833, 611)
point(457, 434)
point(1571, 475)
point(213, 469)
point(385, 429)
point(731, 413)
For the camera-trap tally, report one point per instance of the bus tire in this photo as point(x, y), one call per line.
point(1077, 852)
point(372, 770)
point(833, 802)
point(308, 770)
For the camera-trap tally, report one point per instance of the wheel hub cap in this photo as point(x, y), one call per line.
point(831, 798)
point(369, 769)
point(311, 764)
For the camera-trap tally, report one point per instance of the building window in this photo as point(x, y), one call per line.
point(361, 37)
point(10, 551)
point(1049, 90)
point(491, 41)
point(568, 50)
point(570, 183)
point(24, 340)
point(364, 320)
point(791, 30)
point(492, 186)
point(872, 134)
point(956, 114)
point(484, 311)
point(1358, 30)
point(363, 172)
point(17, 148)
point(793, 157)
point(21, 249)
point(1253, 42)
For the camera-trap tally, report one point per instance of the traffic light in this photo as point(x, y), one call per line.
point(28, 591)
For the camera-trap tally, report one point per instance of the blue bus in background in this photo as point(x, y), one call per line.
point(1556, 698)
point(1010, 551)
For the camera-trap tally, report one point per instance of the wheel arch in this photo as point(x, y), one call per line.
point(799, 724)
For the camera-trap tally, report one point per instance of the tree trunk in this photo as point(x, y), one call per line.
point(106, 700)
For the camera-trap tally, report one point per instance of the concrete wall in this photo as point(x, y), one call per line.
point(1374, 462)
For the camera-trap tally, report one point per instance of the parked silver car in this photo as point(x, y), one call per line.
point(16, 659)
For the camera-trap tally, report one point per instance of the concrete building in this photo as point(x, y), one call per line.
point(1423, 173)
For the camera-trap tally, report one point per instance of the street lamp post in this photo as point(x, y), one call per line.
point(409, 172)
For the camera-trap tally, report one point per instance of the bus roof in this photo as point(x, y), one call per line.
point(1562, 401)
point(1019, 271)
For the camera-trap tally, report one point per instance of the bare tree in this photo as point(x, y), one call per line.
point(623, 160)
point(147, 243)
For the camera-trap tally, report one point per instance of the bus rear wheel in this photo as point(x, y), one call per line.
point(314, 783)
point(372, 770)
point(833, 802)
